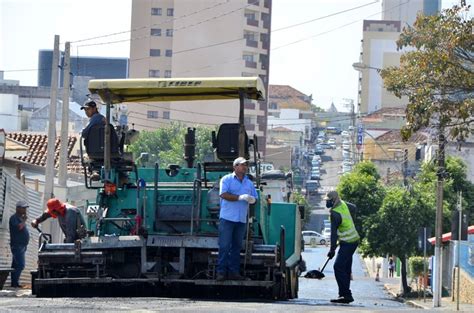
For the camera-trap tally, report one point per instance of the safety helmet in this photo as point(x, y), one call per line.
point(55, 207)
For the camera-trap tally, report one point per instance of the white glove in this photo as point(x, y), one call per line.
point(248, 198)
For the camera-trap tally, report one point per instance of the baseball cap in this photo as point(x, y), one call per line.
point(89, 104)
point(332, 195)
point(240, 160)
point(22, 204)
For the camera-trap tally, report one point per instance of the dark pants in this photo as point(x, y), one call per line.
point(231, 235)
point(18, 263)
point(343, 268)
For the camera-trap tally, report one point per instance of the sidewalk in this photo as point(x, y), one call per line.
point(392, 285)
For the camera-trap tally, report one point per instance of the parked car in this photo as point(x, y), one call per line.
point(345, 133)
point(327, 233)
point(319, 150)
point(313, 238)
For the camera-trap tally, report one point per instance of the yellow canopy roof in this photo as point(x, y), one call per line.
point(176, 89)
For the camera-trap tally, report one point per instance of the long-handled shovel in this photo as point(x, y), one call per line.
point(317, 274)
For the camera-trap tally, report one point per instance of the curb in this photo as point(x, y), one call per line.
point(403, 300)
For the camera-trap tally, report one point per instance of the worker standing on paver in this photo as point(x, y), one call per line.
point(344, 234)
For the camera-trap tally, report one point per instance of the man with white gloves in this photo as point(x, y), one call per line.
point(237, 192)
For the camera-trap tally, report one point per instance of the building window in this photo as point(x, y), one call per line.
point(273, 106)
point(152, 114)
point(167, 73)
point(155, 11)
point(168, 52)
point(170, 12)
point(248, 57)
point(155, 52)
point(155, 32)
point(166, 115)
point(154, 73)
point(169, 33)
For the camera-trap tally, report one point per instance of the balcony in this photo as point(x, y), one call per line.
point(254, 2)
point(250, 64)
point(252, 43)
point(265, 45)
point(266, 4)
point(266, 24)
point(252, 22)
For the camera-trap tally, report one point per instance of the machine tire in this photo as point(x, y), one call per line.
point(292, 283)
point(322, 241)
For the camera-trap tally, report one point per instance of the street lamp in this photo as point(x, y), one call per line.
point(358, 66)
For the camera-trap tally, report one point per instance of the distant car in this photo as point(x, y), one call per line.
point(315, 175)
point(345, 133)
point(327, 233)
point(319, 149)
point(313, 238)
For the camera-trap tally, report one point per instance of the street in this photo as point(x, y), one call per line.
point(314, 295)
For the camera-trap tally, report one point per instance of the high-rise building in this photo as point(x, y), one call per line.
point(406, 11)
point(379, 50)
point(93, 67)
point(206, 38)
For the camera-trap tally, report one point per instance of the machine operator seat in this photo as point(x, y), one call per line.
point(94, 143)
point(226, 142)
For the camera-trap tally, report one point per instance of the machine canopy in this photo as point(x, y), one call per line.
point(176, 89)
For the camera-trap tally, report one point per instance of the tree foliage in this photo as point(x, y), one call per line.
point(362, 187)
point(166, 145)
point(438, 75)
point(455, 181)
point(394, 229)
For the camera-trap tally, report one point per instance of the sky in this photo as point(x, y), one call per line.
point(315, 58)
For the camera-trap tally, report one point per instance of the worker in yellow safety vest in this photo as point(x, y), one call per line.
point(344, 234)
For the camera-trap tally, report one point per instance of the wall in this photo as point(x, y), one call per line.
point(12, 190)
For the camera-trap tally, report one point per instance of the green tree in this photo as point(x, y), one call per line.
point(456, 180)
point(438, 75)
point(362, 187)
point(166, 145)
point(394, 229)
point(300, 199)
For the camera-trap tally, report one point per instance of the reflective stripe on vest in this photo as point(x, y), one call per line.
point(346, 230)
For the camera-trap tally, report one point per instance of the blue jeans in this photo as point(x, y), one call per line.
point(343, 267)
point(231, 235)
point(18, 263)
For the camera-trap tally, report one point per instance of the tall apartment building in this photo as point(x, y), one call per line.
point(205, 38)
point(406, 11)
point(379, 50)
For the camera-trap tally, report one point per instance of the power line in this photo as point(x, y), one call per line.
point(156, 24)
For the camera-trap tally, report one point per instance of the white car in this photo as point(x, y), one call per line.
point(327, 233)
point(313, 238)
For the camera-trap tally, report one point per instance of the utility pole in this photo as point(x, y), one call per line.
point(405, 167)
point(49, 179)
point(439, 219)
point(62, 177)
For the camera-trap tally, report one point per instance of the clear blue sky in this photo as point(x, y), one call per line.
point(321, 64)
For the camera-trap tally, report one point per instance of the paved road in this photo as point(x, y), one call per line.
point(331, 164)
point(314, 296)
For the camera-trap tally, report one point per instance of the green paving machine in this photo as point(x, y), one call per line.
point(153, 231)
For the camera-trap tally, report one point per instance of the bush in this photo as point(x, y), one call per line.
point(416, 266)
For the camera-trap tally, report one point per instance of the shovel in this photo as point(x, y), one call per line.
point(317, 274)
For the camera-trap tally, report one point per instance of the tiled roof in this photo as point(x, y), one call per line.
point(395, 136)
point(292, 103)
point(38, 143)
point(385, 112)
point(284, 91)
point(281, 129)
